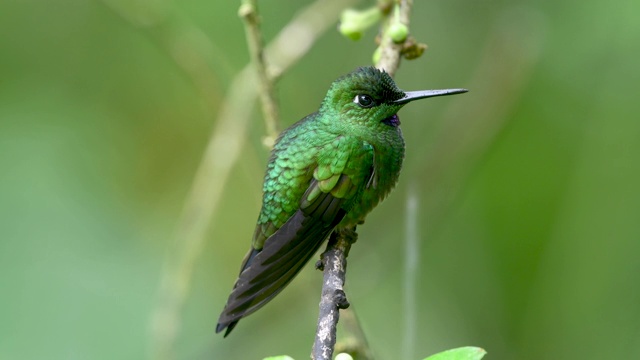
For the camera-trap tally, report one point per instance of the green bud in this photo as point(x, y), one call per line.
point(398, 32)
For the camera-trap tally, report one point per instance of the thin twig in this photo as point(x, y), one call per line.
point(334, 259)
point(249, 12)
point(411, 267)
point(212, 175)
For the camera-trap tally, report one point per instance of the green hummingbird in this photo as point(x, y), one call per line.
point(326, 172)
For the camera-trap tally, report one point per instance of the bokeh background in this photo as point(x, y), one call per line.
point(523, 194)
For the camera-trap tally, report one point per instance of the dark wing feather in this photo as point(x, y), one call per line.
point(266, 272)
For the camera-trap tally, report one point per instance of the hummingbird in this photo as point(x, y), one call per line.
point(326, 172)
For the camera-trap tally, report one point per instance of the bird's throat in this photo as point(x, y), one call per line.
point(392, 120)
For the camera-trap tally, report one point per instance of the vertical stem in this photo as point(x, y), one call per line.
point(411, 264)
point(249, 12)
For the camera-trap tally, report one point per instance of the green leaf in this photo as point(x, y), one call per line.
point(279, 357)
point(343, 356)
point(463, 353)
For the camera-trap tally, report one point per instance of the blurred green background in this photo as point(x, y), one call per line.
point(528, 212)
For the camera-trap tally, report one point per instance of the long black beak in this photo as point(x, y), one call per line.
point(415, 95)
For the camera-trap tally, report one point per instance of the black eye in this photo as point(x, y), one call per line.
point(364, 101)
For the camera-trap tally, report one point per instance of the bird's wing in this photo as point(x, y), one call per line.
point(323, 205)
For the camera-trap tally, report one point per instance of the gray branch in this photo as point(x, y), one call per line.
point(334, 265)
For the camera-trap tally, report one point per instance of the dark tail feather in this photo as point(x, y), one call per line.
point(248, 259)
point(229, 327)
point(270, 270)
point(246, 262)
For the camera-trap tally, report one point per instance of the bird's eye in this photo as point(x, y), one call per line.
point(364, 101)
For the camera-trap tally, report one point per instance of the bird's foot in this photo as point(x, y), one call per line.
point(349, 234)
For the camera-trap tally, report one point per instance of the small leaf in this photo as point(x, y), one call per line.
point(463, 353)
point(351, 30)
point(343, 356)
point(279, 357)
point(353, 23)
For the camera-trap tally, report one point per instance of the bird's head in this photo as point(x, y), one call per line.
point(370, 97)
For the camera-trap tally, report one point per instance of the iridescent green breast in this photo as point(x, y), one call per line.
point(388, 151)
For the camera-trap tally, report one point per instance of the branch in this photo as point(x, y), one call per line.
point(249, 12)
point(391, 52)
point(334, 260)
point(334, 264)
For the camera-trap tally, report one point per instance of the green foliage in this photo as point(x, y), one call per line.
point(463, 353)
